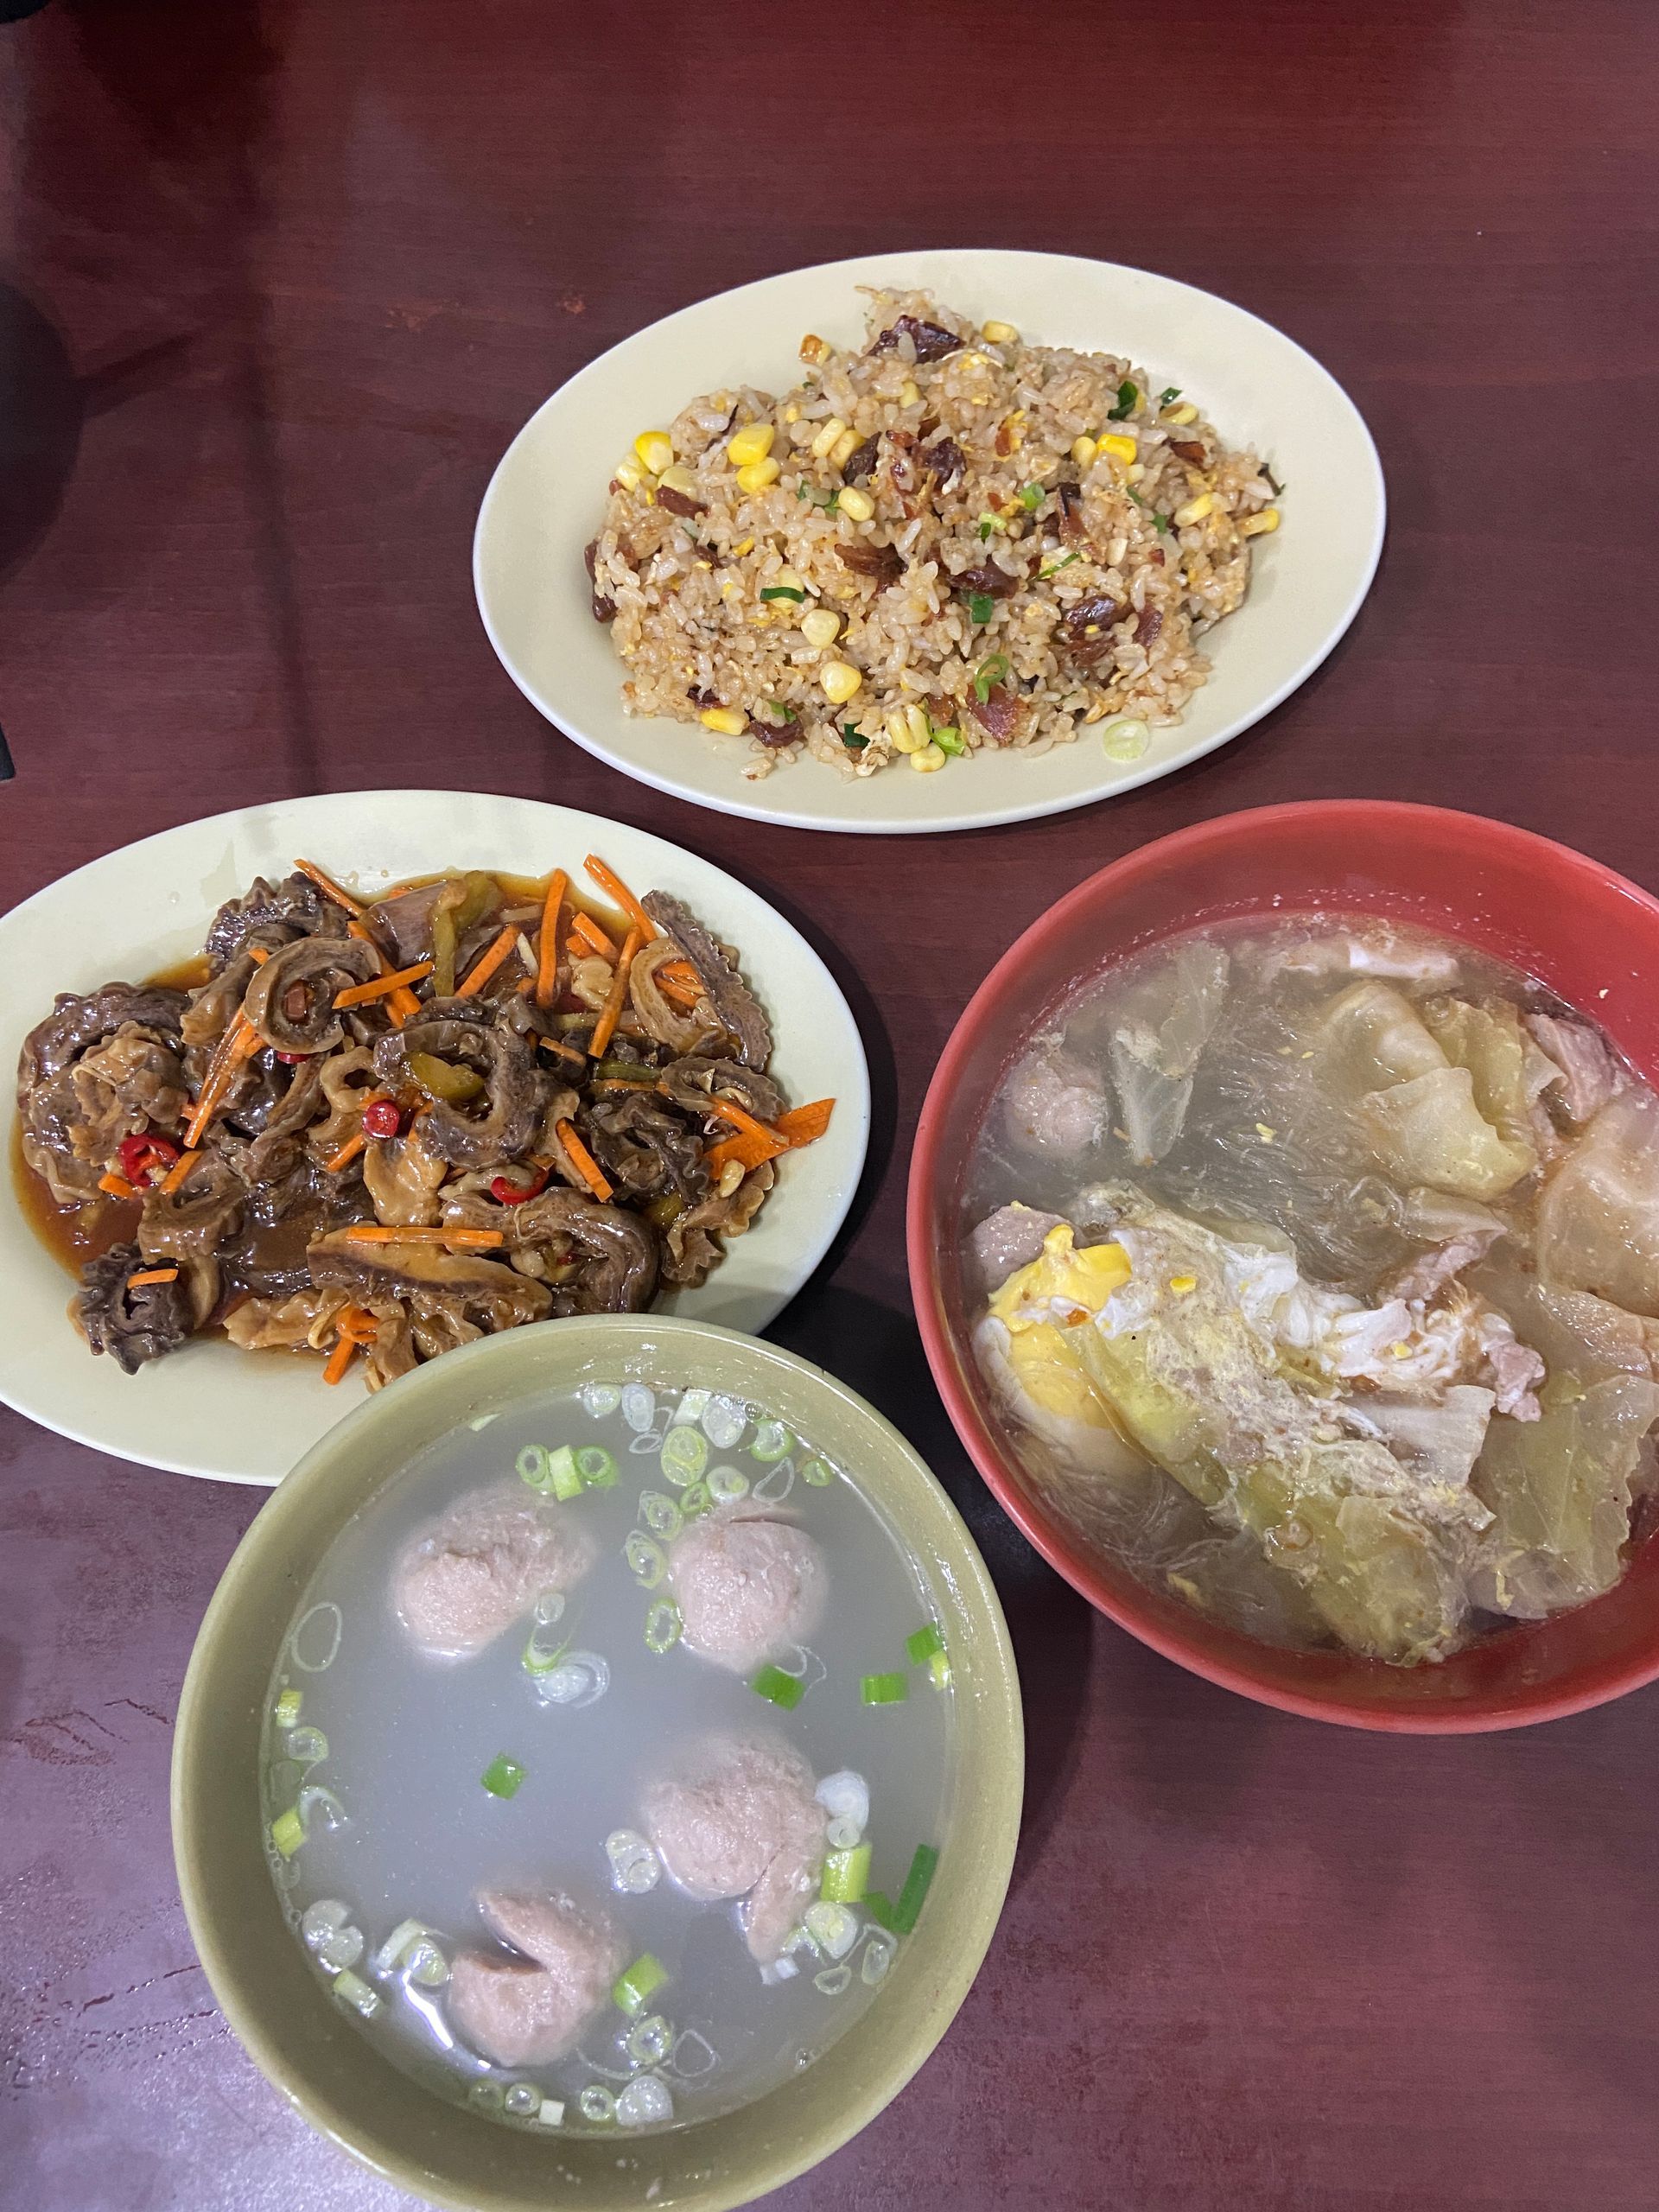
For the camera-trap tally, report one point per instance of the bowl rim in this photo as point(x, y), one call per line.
point(983, 1447)
point(997, 1717)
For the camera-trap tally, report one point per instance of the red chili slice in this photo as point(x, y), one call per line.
point(381, 1118)
point(293, 1059)
point(514, 1194)
point(146, 1158)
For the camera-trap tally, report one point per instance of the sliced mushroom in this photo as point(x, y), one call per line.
point(461, 1032)
point(291, 1000)
point(739, 1010)
point(482, 1291)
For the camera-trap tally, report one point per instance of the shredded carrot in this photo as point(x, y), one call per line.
point(330, 889)
point(585, 931)
point(403, 1000)
point(582, 1161)
point(616, 999)
point(152, 1274)
point(382, 986)
point(489, 961)
point(117, 1185)
point(240, 1042)
point(729, 1110)
point(683, 996)
point(340, 1359)
point(174, 1179)
point(805, 1124)
point(748, 1152)
point(681, 971)
point(361, 1327)
point(547, 967)
point(347, 1153)
point(615, 888)
point(370, 1233)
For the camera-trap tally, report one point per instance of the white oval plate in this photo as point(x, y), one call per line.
point(1261, 390)
point(246, 1417)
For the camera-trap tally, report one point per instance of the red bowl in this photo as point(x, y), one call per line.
point(1589, 934)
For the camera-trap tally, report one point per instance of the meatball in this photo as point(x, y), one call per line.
point(741, 1822)
point(746, 1585)
point(527, 2011)
point(468, 1576)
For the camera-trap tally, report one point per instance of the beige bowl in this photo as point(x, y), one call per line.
point(260, 1976)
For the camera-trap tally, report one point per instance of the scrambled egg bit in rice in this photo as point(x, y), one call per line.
point(951, 540)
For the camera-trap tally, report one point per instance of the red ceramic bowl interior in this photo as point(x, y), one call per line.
point(1589, 934)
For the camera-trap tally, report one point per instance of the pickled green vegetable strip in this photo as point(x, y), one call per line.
point(879, 1905)
point(884, 1689)
point(846, 1875)
point(923, 1643)
point(631, 1990)
point(288, 1831)
point(782, 1689)
point(596, 1469)
point(503, 1775)
point(288, 1707)
point(917, 1884)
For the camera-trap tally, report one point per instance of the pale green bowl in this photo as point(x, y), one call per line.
point(266, 1986)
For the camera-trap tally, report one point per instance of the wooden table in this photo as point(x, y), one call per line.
point(287, 280)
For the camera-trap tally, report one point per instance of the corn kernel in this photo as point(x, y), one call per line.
point(791, 413)
point(655, 448)
point(1194, 511)
point(1119, 446)
point(1084, 450)
point(903, 738)
point(840, 680)
point(827, 437)
point(1257, 525)
point(751, 442)
point(726, 719)
point(1186, 412)
point(678, 478)
point(785, 580)
point(909, 392)
point(1135, 472)
point(730, 588)
point(920, 728)
point(844, 448)
point(630, 472)
point(821, 627)
point(998, 334)
point(814, 349)
point(974, 361)
point(857, 504)
point(927, 759)
point(748, 546)
point(758, 476)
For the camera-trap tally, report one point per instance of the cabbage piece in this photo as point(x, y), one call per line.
point(1440, 1443)
point(1599, 1219)
point(1575, 1331)
point(1429, 1130)
point(1368, 1038)
point(1507, 1069)
point(1160, 1028)
point(1560, 1489)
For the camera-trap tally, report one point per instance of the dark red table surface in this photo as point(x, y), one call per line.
point(277, 283)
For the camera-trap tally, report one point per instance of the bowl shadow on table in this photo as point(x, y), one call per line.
point(878, 1353)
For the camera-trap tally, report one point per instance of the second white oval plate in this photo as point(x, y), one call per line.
point(1258, 387)
point(246, 1417)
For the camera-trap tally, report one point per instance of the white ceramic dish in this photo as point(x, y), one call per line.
point(246, 1417)
point(1262, 390)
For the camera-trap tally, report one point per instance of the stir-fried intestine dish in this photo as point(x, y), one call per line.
point(402, 1123)
point(1318, 1267)
point(675, 1788)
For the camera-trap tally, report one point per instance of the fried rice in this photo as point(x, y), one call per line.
point(1012, 541)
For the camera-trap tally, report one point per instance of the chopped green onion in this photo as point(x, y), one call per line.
point(601, 1399)
point(772, 1441)
point(879, 1905)
point(1032, 496)
point(817, 1474)
point(503, 1775)
point(938, 1667)
point(695, 1501)
point(727, 1484)
point(663, 1626)
point(783, 591)
point(912, 1896)
point(685, 1455)
point(846, 1875)
point(531, 1464)
point(951, 740)
point(1054, 567)
point(536, 1658)
point(559, 1472)
point(596, 2103)
point(307, 1745)
point(288, 1831)
point(923, 1643)
point(1127, 396)
point(1170, 391)
point(779, 1688)
point(646, 1558)
point(789, 715)
point(288, 1707)
point(661, 1514)
point(631, 1990)
point(352, 1989)
point(834, 1981)
point(1126, 739)
point(987, 673)
point(987, 525)
point(884, 1689)
point(1160, 522)
point(832, 1928)
point(596, 1469)
point(981, 606)
point(851, 740)
point(522, 2100)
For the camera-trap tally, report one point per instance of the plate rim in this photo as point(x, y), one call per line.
point(1001, 818)
point(13, 1365)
